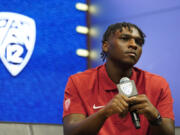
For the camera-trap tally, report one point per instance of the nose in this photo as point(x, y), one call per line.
point(132, 44)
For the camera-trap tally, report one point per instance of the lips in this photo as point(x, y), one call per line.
point(131, 53)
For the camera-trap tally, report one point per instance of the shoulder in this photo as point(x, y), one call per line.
point(154, 86)
point(151, 77)
point(86, 76)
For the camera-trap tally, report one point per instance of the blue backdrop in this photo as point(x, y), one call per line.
point(36, 94)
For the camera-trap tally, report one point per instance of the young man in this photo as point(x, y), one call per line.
point(92, 104)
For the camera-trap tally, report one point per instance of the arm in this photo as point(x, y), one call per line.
point(166, 127)
point(79, 124)
point(143, 106)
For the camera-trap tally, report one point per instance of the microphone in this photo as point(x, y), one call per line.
point(127, 87)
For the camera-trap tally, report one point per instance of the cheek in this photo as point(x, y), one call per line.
point(115, 52)
point(118, 47)
point(118, 51)
point(139, 53)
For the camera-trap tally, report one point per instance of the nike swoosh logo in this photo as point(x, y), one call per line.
point(97, 107)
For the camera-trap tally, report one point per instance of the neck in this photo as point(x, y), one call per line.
point(116, 72)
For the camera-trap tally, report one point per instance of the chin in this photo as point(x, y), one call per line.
point(130, 62)
point(125, 64)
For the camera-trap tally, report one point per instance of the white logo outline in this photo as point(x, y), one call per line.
point(127, 88)
point(67, 103)
point(97, 107)
point(18, 34)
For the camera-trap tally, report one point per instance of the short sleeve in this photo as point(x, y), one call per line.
point(165, 104)
point(72, 101)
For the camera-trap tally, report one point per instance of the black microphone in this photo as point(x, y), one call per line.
point(127, 87)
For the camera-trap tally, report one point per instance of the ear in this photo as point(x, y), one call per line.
point(105, 46)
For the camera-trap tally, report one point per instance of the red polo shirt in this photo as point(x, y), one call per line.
point(89, 91)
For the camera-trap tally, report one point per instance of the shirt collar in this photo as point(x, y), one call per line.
point(106, 83)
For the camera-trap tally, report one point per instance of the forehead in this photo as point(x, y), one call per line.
point(133, 32)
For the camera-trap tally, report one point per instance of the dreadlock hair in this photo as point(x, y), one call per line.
point(119, 26)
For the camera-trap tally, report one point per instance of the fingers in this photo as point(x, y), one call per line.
point(118, 105)
point(124, 101)
point(121, 103)
point(139, 103)
point(137, 99)
point(137, 107)
point(142, 105)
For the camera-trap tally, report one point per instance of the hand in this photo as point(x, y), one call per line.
point(118, 105)
point(142, 105)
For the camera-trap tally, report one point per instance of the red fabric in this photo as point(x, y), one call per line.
point(94, 87)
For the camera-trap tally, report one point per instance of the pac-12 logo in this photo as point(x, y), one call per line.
point(17, 39)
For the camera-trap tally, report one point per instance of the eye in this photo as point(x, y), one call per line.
point(125, 38)
point(139, 41)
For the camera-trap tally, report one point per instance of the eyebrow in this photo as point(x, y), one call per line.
point(130, 36)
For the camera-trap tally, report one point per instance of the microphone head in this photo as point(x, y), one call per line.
point(127, 87)
point(124, 79)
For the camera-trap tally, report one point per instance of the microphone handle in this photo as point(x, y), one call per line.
point(135, 119)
